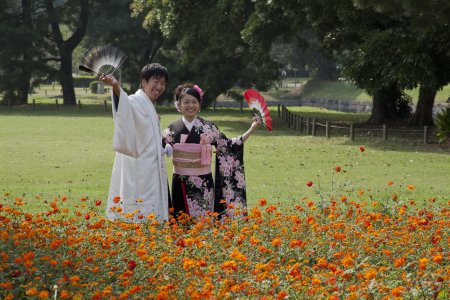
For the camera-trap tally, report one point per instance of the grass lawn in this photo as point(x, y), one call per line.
point(48, 154)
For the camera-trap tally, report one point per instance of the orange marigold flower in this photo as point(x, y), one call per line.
point(390, 183)
point(344, 198)
point(83, 198)
point(370, 274)
point(397, 291)
point(338, 169)
point(437, 258)
point(276, 242)
point(295, 243)
point(229, 265)
point(262, 202)
point(116, 199)
point(398, 262)
point(423, 262)
point(64, 294)
point(315, 281)
point(43, 295)
point(322, 262)
point(236, 254)
point(411, 187)
point(31, 291)
point(347, 261)
point(282, 295)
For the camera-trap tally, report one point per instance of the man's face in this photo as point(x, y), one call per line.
point(154, 87)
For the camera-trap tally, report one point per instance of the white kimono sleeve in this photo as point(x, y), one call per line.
point(124, 140)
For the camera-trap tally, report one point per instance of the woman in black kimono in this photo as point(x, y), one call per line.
point(193, 189)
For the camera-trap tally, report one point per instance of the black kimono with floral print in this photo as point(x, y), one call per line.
point(197, 195)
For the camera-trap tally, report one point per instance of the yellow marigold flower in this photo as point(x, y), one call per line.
point(370, 274)
point(31, 291)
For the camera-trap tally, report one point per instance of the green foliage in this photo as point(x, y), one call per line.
point(83, 81)
point(443, 125)
point(208, 42)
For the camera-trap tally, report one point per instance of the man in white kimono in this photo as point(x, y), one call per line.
point(138, 186)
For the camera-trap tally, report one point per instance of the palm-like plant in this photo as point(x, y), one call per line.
point(443, 125)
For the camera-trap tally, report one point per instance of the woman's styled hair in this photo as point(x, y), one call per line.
point(187, 89)
point(153, 70)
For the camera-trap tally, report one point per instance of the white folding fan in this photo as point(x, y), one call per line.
point(103, 60)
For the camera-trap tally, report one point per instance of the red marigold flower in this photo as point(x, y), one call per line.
point(262, 202)
point(116, 199)
point(87, 216)
point(131, 265)
point(338, 169)
point(98, 202)
point(309, 183)
point(361, 148)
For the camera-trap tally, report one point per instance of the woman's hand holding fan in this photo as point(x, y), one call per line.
point(259, 107)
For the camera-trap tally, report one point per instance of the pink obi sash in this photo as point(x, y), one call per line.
point(191, 159)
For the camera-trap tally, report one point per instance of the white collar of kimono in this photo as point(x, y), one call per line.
point(143, 94)
point(188, 124)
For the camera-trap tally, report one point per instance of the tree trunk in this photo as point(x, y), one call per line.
point(382, 103)
point(424, 110)
point(66, 47)
point(66, 78)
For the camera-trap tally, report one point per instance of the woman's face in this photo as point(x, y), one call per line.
point(189, 106)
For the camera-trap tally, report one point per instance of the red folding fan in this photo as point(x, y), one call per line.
point(259, 107)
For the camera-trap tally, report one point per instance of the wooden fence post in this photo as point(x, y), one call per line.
point(301, 124)
point(313, 129)
point(327, 129)
point(425, 134)
point(79, 104)
point(105, 105)
point(279, 111)
point(385, 132)
point(352, 133)
point(34, 104)
point(57, 104)
point(307, 126)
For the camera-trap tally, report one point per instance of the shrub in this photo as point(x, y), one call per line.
point(83, 81)
point(443, 125)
